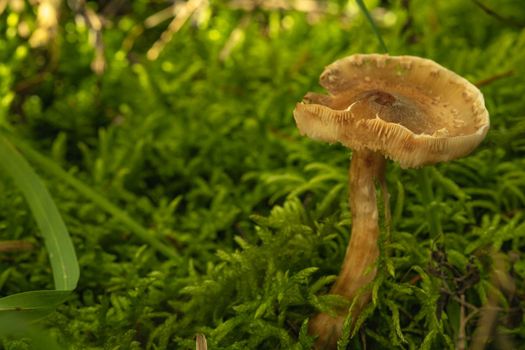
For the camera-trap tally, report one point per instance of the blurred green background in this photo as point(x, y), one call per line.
point(180, 114)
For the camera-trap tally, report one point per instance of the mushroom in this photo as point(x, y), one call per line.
point(405, 108)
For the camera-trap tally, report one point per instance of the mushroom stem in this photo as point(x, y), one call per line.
point(358, 268)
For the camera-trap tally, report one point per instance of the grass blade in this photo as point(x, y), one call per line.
point(29, 306)
point(370, 20)
point(53, 169)
point(58, 243)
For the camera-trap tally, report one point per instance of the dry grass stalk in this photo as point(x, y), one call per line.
point(487, 323)
point(184, 12)
point(15, 246)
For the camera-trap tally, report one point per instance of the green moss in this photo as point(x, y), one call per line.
point(200, 148)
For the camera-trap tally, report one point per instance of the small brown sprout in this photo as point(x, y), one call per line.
point(405, 108)
point(200, 342)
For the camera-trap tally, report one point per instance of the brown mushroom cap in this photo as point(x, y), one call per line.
point(408, 108)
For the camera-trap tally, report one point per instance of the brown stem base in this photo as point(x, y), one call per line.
point(358, 268)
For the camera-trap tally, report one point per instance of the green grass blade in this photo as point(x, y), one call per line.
point(33, 300)
point(21, 324)
point(58, 243)
point(53, 169)
point(370, 20)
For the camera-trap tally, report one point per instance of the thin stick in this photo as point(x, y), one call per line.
point(487, 322)
point(176, 24)
point(496, 15)
point(15, 246)
point(493, 78)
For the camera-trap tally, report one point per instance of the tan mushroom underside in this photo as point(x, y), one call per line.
point(408, 108)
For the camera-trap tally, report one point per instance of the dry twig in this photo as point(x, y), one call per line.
point(489, 80)
point(500, 280)
point(183, 13)
point(492, 13)
point(15, 246)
